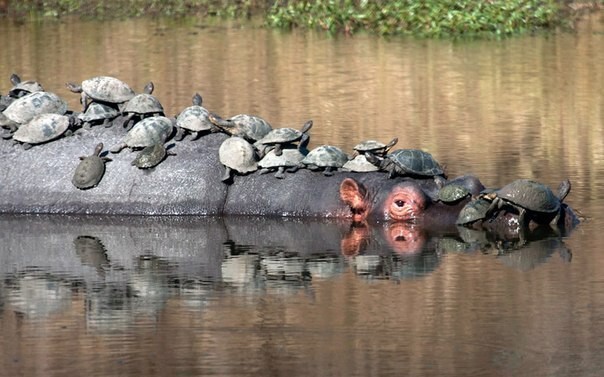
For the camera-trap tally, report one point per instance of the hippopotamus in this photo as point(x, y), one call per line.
point(39, 181)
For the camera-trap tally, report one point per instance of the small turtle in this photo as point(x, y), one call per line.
point(194, 120)
point(452, 193)
point(359, 164)
point(90, 170)
point(279, 137)
point(98, 113)
point(24, 109)
point(237, 155)
point(141, 106)
point(43, 128)
point(151, 156)
point(22, 88)
point(377, 148)
point(102, 89)
point(473, 211)
point(250, 127)
point(290, 158)
point(528, 195)
point(410, 162)
point(326, 157)
point(148, 131)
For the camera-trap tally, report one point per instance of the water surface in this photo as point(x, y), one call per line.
point(191, 296)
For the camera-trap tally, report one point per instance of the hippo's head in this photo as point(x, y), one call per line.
point(403, 201)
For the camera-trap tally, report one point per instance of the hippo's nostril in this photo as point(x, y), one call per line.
point(400, 239)
point(400, 203)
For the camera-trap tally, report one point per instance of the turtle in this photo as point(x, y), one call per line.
point(250, 127)
point(359, 164)
point(237, 155)
point(141, 106)
point(409, 162)
point(453, 193)
point(325, 157)
point(22, 88)
point(99, 113)
point(102, 89)
point(5, 101)
point(377, 148)
point(43, 128)
point(194, 120)
point(24, 109)
point(151, 156)
point(290, 158)
point(526, 195)
point(147, 132)
point(90, 170)
point(475, 210)
point(279, 137)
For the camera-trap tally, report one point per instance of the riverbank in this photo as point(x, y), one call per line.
point(434, 18)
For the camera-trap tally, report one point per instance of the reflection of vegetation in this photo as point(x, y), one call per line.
point(425, 18)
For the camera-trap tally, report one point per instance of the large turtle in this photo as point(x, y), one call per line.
point(325, 157)
point(410, 162)
point(43, 128)
point(373, 146)
point(359, 164)
point(237, 155)
point(141, 106)
point(194, 120)
point(151, 156)
point(250, 127)
point(98, 113)
point(22, 88)
point(102, 89)
point(90, 170)
point(525, 195)
point(290, 159)
point(279, 137)
point(148, 131)
point(24, 109)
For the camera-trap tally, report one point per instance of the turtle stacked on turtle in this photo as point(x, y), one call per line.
point(142, 106)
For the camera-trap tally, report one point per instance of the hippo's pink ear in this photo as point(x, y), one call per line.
point(353, 194)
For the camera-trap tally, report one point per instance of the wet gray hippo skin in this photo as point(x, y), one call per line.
point(38, 180)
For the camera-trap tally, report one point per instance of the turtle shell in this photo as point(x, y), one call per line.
point(473, 211)
point(249, 127)
point(452, 193)
point(107, 89)
point(98, 111)
point(150, 156)
point(24, 109)
point(289, 157)
point(143, 103)
point(238, 154)
point(374, 146)
point(90, 170)
point(326, 156)
point(359, 164)
point(415, 162)
point(194, 118)
point(21, 88)
point(530, 195)
point(149, 131)
point(42, 128)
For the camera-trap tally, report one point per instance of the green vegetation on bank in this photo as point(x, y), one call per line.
point(414, 17)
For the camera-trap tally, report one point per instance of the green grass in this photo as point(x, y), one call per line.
point(428, 18)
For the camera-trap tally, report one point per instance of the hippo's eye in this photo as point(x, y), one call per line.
point(399, 203)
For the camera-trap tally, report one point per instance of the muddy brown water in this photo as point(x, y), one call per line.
point(98, 296)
